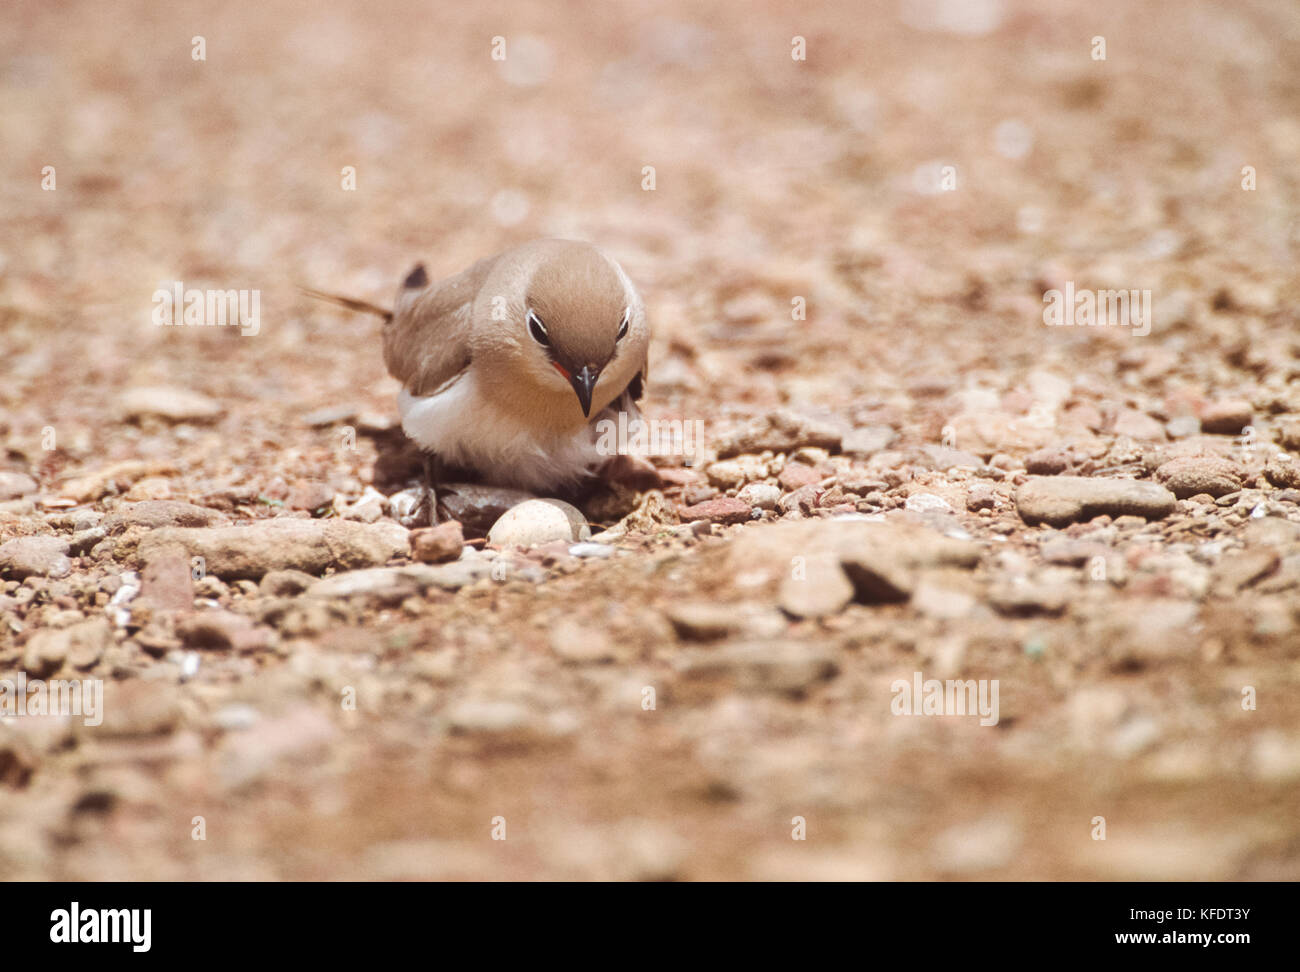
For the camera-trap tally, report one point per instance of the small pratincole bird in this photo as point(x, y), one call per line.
point(507, 367)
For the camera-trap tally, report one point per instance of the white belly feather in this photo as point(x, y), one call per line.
point(464, 428)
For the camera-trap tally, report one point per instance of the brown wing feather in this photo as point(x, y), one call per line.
point(427, 342)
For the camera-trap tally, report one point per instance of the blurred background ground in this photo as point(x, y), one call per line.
point(774, 178)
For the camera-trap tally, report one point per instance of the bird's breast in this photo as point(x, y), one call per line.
point(530, 444)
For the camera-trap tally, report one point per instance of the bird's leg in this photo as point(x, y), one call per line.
point(428, 506)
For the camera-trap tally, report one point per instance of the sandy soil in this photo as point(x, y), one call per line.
point(395, 735)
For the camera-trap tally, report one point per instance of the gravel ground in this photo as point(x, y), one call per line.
point(915, 475)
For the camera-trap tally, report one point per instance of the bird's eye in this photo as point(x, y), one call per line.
point(622, 328)
point(538, 330)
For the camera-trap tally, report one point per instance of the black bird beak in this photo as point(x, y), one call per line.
point(583, 382)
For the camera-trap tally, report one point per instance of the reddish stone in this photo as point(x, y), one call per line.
point(439, 544)
point(1226, 418)
point(724, 509)
point(796, 475)
point(308, 494)
point(167, 582)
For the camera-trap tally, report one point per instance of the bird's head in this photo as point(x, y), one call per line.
point(580, 313)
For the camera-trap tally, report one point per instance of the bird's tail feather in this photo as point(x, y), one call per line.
point(350, 303)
